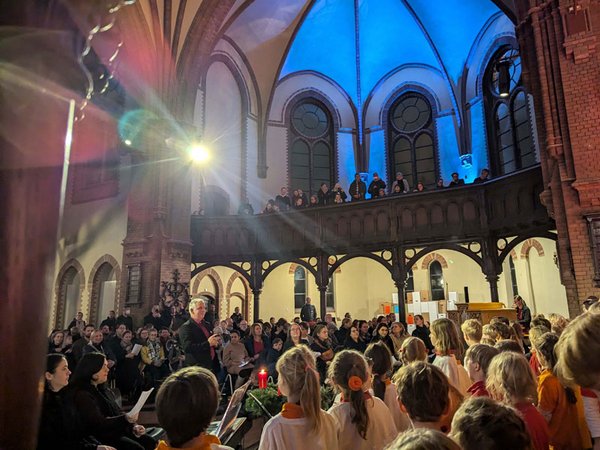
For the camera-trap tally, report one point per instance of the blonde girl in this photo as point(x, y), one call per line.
point(301, 423)
point(412, 349)
point(365, 420)
point(449, 351)
point(511, 380)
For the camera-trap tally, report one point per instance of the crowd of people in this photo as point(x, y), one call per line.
point(529, 384)
point(357, 191)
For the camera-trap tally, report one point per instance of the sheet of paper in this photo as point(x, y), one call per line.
point(394, 298)
point(136, 349)
point(416, 295)
point(140, 403)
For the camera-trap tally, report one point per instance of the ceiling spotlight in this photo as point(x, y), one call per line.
point(504, 77)
point(198, 153)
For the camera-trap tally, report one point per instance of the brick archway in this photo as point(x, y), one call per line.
point(434, 257)
point(213, 275)
point(245, 297)
point(528, 245)
point(94, 286)
point(60, 289)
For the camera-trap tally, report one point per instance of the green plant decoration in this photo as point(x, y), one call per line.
point(327, 397)
point(268, 397)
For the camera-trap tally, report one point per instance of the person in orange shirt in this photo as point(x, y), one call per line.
point(185, 405)
point(560, 405)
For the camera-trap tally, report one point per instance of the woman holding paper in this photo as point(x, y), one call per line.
point(128, 365)
point(99, 413)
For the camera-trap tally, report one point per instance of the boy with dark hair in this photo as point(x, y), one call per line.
point(185, 405)
point(482, 423)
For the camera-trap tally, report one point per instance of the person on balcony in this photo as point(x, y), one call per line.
point(376, 185)
point(485, 176)
point(357, 189)
point(283, 200)
point(314, 201)
point(402, 183)
point(456, 181)
point(420, 187)
point(440, 184)
point(338, 191)
point(324, 195)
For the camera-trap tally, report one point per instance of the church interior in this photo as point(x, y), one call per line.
point(145, 144)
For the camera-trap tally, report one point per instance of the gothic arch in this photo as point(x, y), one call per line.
point(94, 286)
point(433, 257)
point(217, 282)
point(336, 265)
point(245, 297)
point(61, 286)
point(528, 245)
point(412, 261)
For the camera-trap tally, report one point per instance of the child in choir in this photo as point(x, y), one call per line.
point(477, 361)
point(420, 439)
point(561, 405)
point(185, 405)
point(365, 421)
point(423, 391)
point(301, 423)
point(448, 347)
point(382, 385)
point(511, 380)
point(412, 349)
point(481, 423)
point(577, 343)
point(472, 331)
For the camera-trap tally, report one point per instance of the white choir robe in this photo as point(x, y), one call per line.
point(401, 419)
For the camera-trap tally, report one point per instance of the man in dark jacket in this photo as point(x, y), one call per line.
point(456, 181)
point(197, 340)
point(308, 313)
point(126, 319)
point(111, 321)
point(376, 185)
point(357, 189)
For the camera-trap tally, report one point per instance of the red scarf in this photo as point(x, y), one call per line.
point(207, 334)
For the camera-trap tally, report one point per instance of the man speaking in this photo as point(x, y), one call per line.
point(197, 339)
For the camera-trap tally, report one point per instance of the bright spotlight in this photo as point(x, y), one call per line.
point(198, 153)
point(127, 142)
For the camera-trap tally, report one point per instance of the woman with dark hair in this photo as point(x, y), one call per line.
point(523, 312)
point(422, 332)
point(56, 342)
point(363, 331)
point(257, 344)
point(323, 350)
point(353, 341)
point(128, 375)
point(382, 334)
point(58, 424)
point(99, 413)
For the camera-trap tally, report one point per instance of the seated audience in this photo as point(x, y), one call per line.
point(365, 421)
point(353, 341)
point(383, 387)
point(398, 335)
point(77, 322)
point(561, 405)
point(59, 427)
point(423, 392)
point(419, 439)
point(153, 356)
point(111, 320)
point(448, 351)
point(511, 380)
point(77, 348)
point(375, 186)
point(323, 348)
point(128, 376)
point(481, 423)
point(235, 358)
point(97, 345)
point(477, 360)
point(126, 319)
point(257, 344)
point(472, 331)
point(273, 355)
point(412, 349)
point(301, 423)
point(186, 404)
point(294, 337)
point(382, 334)
point(56, 342)
point(99, 413)
point(342, 333)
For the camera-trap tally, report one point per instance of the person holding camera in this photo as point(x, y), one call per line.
point(197, 340)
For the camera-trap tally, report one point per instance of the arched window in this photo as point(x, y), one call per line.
point(299, 287)
point(508, 115)
point(69, 293)
point(311, 155)
point(513, 276)
point(104, 288)
point(411, 140)
point(330, 295)
point(436, 280)
point(410, 282)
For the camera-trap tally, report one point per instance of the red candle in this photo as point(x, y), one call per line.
point(262, 379)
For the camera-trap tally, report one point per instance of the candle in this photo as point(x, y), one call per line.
point(262, 379)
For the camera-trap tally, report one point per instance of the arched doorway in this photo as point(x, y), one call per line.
point(103, 294)
point(70, 286)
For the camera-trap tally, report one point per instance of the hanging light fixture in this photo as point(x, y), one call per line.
point(503, 68)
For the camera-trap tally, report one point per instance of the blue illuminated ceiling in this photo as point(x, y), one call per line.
point(389, 34)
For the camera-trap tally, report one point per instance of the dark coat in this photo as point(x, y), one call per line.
point(60, 427)
point(128, 321)
point(361, 190)
point(375, 186)
point(112, 323)
point(250, 347)
point(196, 347)
point(423, 334)
point(359, 346)
point(308, 313)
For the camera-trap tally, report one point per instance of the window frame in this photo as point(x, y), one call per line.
point(434, 296)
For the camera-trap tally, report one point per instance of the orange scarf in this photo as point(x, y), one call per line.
point(292, 411)
point(205, 442)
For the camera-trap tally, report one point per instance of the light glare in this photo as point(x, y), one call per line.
point(198, 153)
